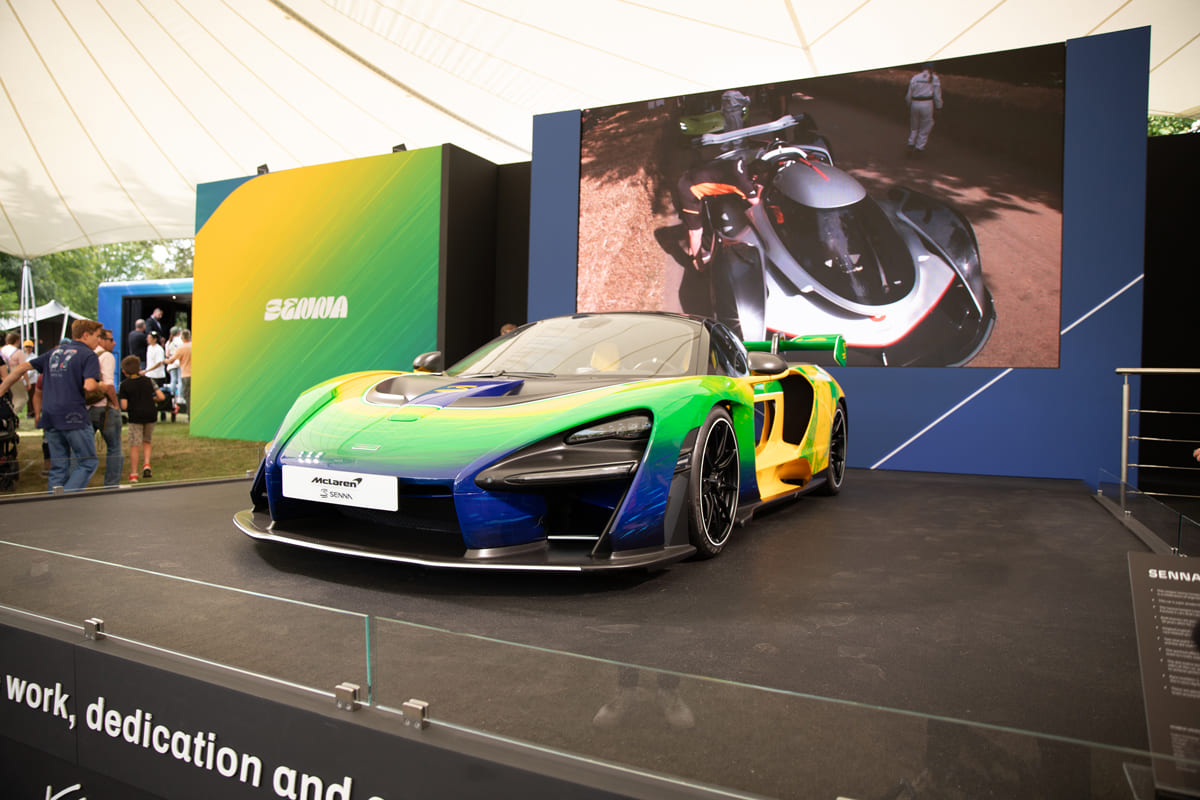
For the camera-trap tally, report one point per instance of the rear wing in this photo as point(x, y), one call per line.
point(831, 343)
point(738, 134)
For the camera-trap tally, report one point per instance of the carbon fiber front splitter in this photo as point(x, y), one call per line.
point(553, 556)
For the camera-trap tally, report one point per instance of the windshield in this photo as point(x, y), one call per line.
point(641, 345)
point(853, 250)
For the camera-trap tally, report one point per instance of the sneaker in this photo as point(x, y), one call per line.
point(146, 471)
point(615, 710)
point(674, 709)
point(133, 477)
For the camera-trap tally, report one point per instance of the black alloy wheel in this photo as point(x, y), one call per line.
point(714, 485)
point(836, 473)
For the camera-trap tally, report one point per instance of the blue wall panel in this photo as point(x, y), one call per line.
point(553, 214)
point(1052, 423)
point(1063, 422)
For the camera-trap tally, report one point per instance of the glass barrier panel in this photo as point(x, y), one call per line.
point(177, 457)
point(1189, 536)
point(698, 731)
point(735, 737)
point(302, 644)
point(1158, 517)
point(1110, 486)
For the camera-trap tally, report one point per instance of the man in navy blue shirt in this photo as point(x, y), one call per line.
point(70, 370)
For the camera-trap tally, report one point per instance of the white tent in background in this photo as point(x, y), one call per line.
point(112, 111)
point(43, 313)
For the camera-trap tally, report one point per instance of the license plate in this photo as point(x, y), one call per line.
point(341, 488)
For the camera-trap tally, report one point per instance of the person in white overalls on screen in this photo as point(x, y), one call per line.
point(923, 97)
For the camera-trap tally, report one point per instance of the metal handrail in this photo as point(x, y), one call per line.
point(1158, 370)
point(1126, 410)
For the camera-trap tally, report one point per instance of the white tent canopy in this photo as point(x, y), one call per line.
point(113, 110)
point(12, 322)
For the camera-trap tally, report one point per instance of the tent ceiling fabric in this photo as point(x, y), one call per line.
point(113, 110)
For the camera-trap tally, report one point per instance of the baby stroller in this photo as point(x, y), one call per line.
point(167, 406)
point(9, 468)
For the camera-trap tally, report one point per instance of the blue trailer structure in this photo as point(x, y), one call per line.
point(122, 303)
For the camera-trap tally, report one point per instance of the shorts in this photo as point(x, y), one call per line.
point(140, 432)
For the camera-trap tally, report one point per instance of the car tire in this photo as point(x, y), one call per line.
point(835, 473)
point(713, 485)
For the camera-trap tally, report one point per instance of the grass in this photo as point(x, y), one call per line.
point(176, 456)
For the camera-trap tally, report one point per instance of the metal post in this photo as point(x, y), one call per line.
point(1125, 432)
point(1124, 439)
point(28, 313)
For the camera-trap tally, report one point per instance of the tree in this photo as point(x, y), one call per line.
point(172, 259)
point(10, 282)
point(73, 276)
point(1165, 126)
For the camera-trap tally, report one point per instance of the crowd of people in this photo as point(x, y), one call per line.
point(72, 393)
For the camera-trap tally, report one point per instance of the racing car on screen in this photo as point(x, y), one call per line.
point(899, 276)
point(584, 442)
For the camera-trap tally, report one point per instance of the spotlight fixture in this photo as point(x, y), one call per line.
point(400, 148)
point(263, 169)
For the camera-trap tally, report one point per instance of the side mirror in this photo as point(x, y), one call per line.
point(766, 363)
point(429, 362)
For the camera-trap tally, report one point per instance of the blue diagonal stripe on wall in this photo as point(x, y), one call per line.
point(881, 462)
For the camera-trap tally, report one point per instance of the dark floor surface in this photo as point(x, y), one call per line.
point(989, 599)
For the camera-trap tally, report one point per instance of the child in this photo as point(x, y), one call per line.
point(138, 396)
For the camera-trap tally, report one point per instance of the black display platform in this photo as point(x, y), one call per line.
point(1001, 602)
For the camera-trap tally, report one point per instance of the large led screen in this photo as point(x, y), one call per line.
point(310, 273)
point(916, 210)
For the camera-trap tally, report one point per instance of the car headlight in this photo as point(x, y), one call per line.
point(634, 426)
point(609, 450)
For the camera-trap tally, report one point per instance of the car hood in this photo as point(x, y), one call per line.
point(464, 391)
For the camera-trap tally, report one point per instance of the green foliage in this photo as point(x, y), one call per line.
point(10, 283)
point(1165, 126)
point(172, 258)
point(73, 276)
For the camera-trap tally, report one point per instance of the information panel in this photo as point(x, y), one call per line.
point(1166, 605)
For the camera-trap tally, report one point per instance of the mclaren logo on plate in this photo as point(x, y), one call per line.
point(340, 488)
point(335, 482)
